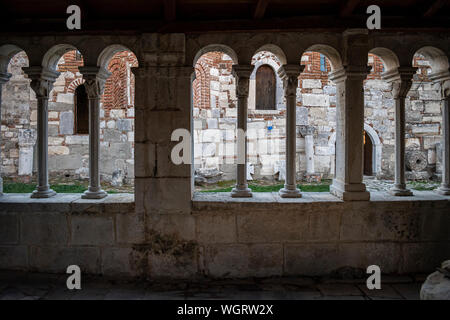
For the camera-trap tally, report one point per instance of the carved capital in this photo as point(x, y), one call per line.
point(306, 130)
point(242, 74)
point(289, 75)
point(42, 80)
point(401, 80)
point(95, 79)
point(349, 72)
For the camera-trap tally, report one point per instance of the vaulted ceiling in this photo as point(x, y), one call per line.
point(214, 15)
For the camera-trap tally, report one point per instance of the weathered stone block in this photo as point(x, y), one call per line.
point(66, 123)
point(44, 228)
point(57, 259)
point(130, 228)
point(361, 255)
point(272, 226)
point(9, 228)
point(91, 230)
point(311, 259)
point(240, 261)
point(216, 228)
point(122, 262)
point(181, 227)
point(14, 257)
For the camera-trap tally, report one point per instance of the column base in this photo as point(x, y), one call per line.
point(400, 192)
point(241, 193)
point(39, 194)
point(443, 190)
point(350, 192)
point(290, 193)
point(94, 194)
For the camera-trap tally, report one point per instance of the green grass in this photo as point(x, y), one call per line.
point(276, 188)
point(15, 187)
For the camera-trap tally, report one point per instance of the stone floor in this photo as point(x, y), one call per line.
point(29, 286)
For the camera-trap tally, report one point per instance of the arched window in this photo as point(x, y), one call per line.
point(81, 110)
point(265, 88)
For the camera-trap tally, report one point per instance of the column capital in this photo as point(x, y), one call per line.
point(4, 77)
point(350, 72)
point(401, 78)
point(289, 74)
point(442, 78)
point(42, 80)
point(95, 79)
point(242, 74)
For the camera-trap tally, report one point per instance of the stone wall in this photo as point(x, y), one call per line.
point(215, 121)
point(223, 237)
point(68, 151)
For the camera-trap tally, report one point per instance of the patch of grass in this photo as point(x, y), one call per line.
point(16, 187)
point(423, 185)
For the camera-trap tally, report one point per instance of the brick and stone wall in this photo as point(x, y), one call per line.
point(68, 151)
point(214, 113)
point(215, 120)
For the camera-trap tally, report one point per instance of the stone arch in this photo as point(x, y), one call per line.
point(7, 51)
point(74, 84)
point(276, 50)
point(388, 57)
point(219, 48)
point(275, 65)
point(328, 51)
point(54, 54)
point(438, 60)
point(108, 53)
point(377, 148)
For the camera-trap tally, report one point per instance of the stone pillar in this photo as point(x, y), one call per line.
point(4, 77)
point(242, 74)
point(348, 183)
point(289, 74)
point(444, 189)
point(95, 79)
point(42, 80)
point(402, 82)
point(27, 140)
point(308, 133)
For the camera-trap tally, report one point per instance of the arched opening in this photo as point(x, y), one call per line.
point(316, 117)
point(117, 120)
point(81, 107)
point(265, 88)
point(18, 123)
point(368, 155)
point(214, 121)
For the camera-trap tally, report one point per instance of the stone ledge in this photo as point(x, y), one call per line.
point(69, 202)
point(261, 200)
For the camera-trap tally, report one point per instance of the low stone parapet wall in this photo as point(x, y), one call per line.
point(225, 237)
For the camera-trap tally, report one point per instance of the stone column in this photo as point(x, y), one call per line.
point(402, 82)
point(289, 74)
point(348, 183)
point(444, 189)
point(308, 133)
point(95, 79)
point(4, 78)
point(242, 74)
point(42, 80)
